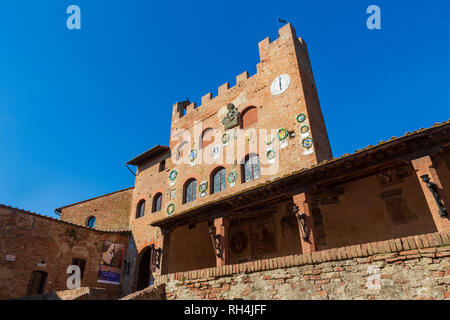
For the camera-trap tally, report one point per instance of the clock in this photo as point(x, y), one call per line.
point(280, 84)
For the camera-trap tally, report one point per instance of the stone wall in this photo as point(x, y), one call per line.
point(416, 267)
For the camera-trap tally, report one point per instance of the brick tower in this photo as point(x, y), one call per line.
point(282, 94)
point(273, 116)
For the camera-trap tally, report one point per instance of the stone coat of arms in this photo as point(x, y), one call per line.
point(231, 119)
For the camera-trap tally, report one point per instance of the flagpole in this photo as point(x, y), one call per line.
point(280, 21)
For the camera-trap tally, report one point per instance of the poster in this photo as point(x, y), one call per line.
point(111, 261)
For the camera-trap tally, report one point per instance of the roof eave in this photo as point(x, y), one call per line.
point(147, 155)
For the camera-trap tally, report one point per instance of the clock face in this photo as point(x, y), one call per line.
point(280, 84)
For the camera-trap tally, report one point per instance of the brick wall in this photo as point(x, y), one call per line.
point(416, 267)
point(111, 211)
point(40, 243)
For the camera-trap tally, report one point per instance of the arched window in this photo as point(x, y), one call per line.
point(249, 117)
point(250, 168)
point(157, 200)
point(90, 222)
point(140, 211)
point(207, 137)
point(190, 191)
point(218, 180)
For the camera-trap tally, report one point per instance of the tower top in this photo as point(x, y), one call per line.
point(287, 37)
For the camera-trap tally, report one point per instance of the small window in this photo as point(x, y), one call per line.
point(80, 263)
point(162, 166)
point(140, 211)
point(250, 168)
point(218, 180)
point(157, 200)
point(249, 117)
point(90, 223)
point(190, 191)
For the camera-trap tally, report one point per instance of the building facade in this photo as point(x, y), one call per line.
point(37, 251)
point(249, 175)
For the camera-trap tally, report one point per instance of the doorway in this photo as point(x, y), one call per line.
point(145, 277)
point(37, 283)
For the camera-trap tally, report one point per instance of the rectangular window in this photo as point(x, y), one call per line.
point(162, 166)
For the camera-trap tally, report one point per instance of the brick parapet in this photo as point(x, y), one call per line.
point(432, 245)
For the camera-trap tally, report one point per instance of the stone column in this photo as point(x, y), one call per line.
point(305, 223)
point(165, 250)
point(221, 226)
point(424, 166)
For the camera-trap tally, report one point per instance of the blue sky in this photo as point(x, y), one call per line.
point(76, 105)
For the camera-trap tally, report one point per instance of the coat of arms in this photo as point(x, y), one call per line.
point(231, 119)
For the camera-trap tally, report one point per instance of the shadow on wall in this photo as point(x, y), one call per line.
point(129, 268)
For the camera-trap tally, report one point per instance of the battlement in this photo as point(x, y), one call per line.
point(267, 48)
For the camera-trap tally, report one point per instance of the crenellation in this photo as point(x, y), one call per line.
point(206, 98)
point(190, 107)
point(241, 77)
point(223, 88)
point(267, 48)
point(264, 48)
point(179, 109)
point(287, 32)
